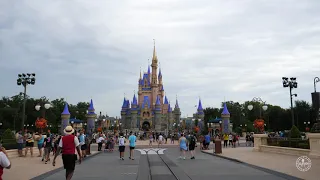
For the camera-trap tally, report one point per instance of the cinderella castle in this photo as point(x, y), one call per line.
point(150, 110)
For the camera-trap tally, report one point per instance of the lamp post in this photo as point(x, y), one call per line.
point(25, 80)
point(306, 124)
point(315, 81)
point(292, 83)
point(264, 106)
point(46, 107)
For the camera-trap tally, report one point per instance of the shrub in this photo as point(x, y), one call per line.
point(294, 132)
point(8, 140)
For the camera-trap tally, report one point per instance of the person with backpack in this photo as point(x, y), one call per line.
point(192, 145)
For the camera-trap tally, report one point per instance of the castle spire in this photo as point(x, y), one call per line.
point(154, 56)
point(66, 110)
point(177, 104)
point(140, 74)
point(148, 67)
point(200, 105)
point(225, 109)
point(91, 105)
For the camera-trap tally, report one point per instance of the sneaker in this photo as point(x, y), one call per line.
point(180, 157)
point(129, 157)
point(122, 158)
point(184, 158)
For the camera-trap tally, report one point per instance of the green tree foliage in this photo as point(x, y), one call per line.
point(276, 118)
point(294, 132)
point(11, 111)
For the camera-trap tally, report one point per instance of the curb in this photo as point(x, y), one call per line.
point(49, 173)
point(276, 173)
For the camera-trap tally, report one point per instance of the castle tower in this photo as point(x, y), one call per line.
point(91, 116)
point(154, 78)
point(65, 116)
point(134, 114)
point(169, 116)
point(157, 115)
point(161, 88)
point(127, 123)
point(165, 107)
point(225, 116)
point(177, 112)
point(124, 111)
point(200, 112)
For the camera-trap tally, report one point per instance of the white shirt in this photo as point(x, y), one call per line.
point(76, 142)
point(230, 137)
point(160, 138)
point(4, 161)
point(100, 139)
point(121, 141)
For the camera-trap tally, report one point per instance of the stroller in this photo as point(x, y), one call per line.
point(109, 145)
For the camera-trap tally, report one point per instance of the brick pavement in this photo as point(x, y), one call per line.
point(277, 162)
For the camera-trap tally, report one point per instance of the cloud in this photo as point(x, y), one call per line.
point(213, 49)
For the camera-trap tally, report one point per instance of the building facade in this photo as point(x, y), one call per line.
point(150, 110)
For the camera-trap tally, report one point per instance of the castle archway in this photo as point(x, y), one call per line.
point(146, 126)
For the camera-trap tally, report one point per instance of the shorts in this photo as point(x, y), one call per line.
point(122, 148)
point(207, 143)
point(131, 147)
point(29, 144)
point(69, 161)
point(47, 150)
point(192, 147)
point(20, 146)
point(83, 147)
point(40, 146)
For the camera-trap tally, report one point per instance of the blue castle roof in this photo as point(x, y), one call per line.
point(166, 100)
point(200, 106)
point(65, 110)
point(160, 74)
point(158, 104)
point(91, 105)
point(225, 109)
point(177, 104)
point(144, 79)
point(134, 101)
point(77, 121)
point(169, 108)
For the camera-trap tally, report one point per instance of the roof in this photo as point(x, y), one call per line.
point(225, 109)
point(65, 110)
point(75, 120)
point(216, 120)
point(146, 101)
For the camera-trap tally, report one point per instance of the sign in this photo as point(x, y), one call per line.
point(151, 151)
point(303, 163)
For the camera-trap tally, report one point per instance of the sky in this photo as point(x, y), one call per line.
point(214, 49)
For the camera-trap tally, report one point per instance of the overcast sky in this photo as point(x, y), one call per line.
point(213, 49)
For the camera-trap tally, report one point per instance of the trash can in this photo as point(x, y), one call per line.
point(217, 146)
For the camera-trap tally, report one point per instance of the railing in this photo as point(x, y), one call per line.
point(289, 142)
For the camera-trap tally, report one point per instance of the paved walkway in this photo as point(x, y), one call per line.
point(24, 168)
point(108, 166)
point(277, 162)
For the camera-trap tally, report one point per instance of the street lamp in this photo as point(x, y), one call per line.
point(25, 80)
point(46, 106)
point(306, 123)
point(292, 83)
point(220, 122)
point(315, 81)
point(258, 99)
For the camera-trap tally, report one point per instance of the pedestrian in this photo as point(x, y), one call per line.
point(4, 160)
point(121, 146)
point(29, 143)
point(192, 145)
point(19, 138)
point(100, 141)
point(47, 148)
point(82, 141)
point(151, 139)
point(68, 143)
point(132, 144)
point(183, 146)
point(160, 140)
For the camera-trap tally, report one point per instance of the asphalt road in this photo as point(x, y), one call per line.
point(107, 166)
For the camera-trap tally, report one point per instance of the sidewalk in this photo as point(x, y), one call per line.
point(277, 162)
point(24, 168)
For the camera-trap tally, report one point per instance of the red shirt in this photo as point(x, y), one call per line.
point(68, 145)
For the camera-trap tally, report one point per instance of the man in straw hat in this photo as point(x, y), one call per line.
point(68, 143)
